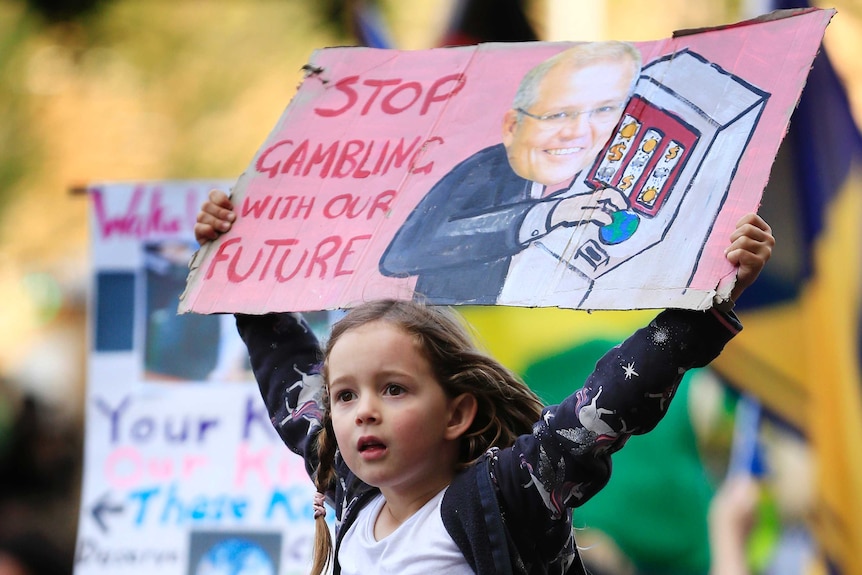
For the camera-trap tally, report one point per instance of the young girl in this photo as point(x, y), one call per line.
point(436, 458)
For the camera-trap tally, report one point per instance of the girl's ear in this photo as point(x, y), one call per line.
point(462, 411)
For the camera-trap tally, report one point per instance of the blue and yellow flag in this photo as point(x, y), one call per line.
point(799, 354)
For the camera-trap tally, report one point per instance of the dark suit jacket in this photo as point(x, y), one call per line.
point(461, 237)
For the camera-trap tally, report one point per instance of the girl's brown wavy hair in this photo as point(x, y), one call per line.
point(507, 408)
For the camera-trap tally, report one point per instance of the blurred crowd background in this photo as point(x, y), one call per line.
point(101, 90)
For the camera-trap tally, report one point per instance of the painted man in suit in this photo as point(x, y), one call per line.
point(488, 215)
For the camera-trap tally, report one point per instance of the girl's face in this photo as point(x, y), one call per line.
point(395, 426)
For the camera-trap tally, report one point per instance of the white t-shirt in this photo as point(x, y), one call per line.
point(419, 546)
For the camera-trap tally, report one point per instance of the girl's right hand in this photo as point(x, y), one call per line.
point(215, 218)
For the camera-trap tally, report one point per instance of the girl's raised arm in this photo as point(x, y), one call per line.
point(286, 359)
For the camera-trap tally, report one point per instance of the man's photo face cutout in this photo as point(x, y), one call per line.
point(572, 117)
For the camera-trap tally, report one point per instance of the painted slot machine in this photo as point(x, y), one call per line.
point(673, 154)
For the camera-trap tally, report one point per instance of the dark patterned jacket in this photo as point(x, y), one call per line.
point(511, 511)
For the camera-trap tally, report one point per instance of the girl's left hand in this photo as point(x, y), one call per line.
point(750, 248)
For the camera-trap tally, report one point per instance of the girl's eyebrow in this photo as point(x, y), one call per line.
point(339, 382)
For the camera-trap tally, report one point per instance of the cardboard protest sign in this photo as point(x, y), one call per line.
point(601, 175)
point(183, 471)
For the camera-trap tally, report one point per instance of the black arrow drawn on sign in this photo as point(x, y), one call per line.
point(103, 507)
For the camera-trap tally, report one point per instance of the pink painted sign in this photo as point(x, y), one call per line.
point(599, 175)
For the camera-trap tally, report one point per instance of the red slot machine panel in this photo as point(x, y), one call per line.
point(645, 156)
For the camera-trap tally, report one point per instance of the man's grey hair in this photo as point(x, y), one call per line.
point(578, 56)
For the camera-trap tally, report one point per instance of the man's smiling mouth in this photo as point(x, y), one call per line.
point(564, 151)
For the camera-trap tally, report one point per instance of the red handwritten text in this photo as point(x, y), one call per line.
point(278, 207)
point(352, 158)
point(332, 255)
point(138, 221)
point(351, 206)
point(397, 95)
point(348, 206)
